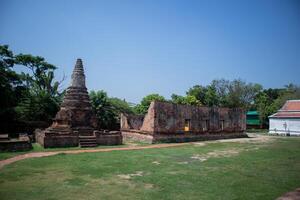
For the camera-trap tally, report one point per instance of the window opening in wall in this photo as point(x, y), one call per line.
point(205, 125)
point(222, 125)
point(187, 125)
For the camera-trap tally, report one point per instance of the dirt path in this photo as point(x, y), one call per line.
point(253, 138)
point(51, 153)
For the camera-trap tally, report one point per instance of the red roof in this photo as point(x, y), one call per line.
point(291, 109)
point(291, 105)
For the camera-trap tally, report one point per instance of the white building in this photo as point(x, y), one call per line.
point(287, 120)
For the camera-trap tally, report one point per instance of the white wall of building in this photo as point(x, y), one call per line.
point(284, 126)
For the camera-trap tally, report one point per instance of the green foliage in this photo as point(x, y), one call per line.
point(236, 93)
point(242, 94)
point(108, 109)
point(43, 98)
point(211, 97)
point(187, 100)
point(142, 108)
point(32, 96)
point(11, 88)
point(38, 106)
point(177, 99)
point(267, 102)
point(262, 103)
point(199, 92)
point(42, 73)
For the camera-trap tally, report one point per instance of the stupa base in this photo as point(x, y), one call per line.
point(75, 139)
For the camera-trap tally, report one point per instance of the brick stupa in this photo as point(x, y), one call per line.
point(75, 123)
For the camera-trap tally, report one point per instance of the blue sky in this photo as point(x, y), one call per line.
point(133, 48)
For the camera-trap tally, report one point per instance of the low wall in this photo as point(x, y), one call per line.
point(128, 136)
point(60, 141)
point(51, 141)
point(39, 136)
point(16, 127)
point(114, 138)
point(72, 140)
point(178, 137)
point(131, 121)
point(16, 145)
point(190, 137)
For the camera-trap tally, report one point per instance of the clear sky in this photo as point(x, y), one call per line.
point(133, 48)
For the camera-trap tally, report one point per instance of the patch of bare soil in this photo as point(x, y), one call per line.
point(294, 195)
point(129, 176)
point(215, 154)
point(257, 140)
point(156, 162)
point(148, 186)
point(183, 162)
point(199, 144)
point(253, 138)
point(25, 156)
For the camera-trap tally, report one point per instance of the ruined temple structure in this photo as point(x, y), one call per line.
point(75, 123)
point(169, 122)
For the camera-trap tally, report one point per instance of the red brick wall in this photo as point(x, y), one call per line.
point(170, 118)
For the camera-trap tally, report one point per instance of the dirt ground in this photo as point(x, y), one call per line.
point(294, 195)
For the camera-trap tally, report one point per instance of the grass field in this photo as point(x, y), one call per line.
point(244, 169)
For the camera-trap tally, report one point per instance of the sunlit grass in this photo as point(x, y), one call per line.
point(230, 170)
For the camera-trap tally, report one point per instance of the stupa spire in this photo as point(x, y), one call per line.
point(78, 77)
point(76, 123)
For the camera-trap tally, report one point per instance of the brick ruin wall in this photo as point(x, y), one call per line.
point(72, 139)
point(165, 122)
point(132, 121)
point(170, 118)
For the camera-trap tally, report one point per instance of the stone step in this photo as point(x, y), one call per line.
point(87, 139)
point(88, 145)
point(4, 137)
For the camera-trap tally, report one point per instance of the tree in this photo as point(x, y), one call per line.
point(11, 87)
point(262, 103)
point(42, 100)
point(198, 92)
point(108, 110)
point(236, 93)
point(290, 92)
point(42, 73)
point(267, 102)
point(211, 96)
point(102, 108)
point(178, 99)
point(142, 108)
point(187, 100)
point(38, 105)
point(221, 92)
point(221, 87)
point(30, 96)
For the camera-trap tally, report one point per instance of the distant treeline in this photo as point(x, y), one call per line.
point(29, 99)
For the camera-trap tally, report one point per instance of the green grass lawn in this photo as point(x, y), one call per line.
point(228, 170)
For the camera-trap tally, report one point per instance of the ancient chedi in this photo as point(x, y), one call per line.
point(75, 123)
